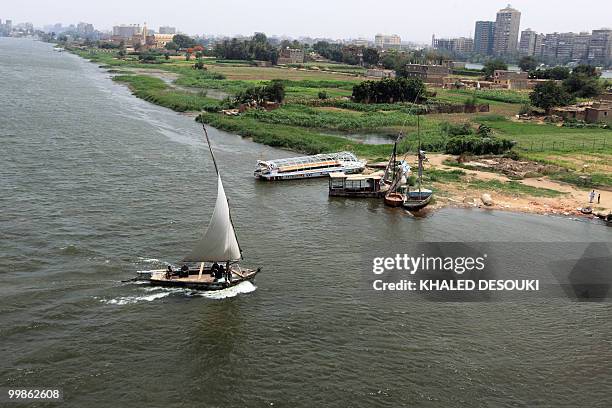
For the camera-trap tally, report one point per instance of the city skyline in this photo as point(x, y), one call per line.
point(275, 18)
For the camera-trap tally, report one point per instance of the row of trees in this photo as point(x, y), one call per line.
point(272, 92)
point(390, 91)
point(582, 82)
point(256, 48)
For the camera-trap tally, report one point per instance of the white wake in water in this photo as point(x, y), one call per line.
point(128, 300)
point(243, 287)
point(158, 292)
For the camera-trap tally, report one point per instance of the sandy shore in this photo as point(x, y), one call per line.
point(458, 195)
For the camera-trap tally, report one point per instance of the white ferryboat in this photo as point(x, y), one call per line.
point(318, 165)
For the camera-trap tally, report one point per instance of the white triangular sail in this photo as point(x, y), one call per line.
point(219, 243)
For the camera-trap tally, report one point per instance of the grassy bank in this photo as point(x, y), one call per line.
point(307, 123)
point(156, 91)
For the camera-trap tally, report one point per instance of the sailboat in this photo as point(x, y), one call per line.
point(212, 264)
point(395, 176)
point(417, 200)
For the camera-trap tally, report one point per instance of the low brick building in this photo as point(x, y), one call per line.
point(590, 112)
point(511, 79)
point(291, 56)
point(430, 74)
point(380, 73)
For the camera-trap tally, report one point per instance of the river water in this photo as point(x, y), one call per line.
point(96, 184)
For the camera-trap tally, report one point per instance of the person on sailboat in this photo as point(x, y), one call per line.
point(184, 272)
point(169, 272)
point(220, 273)
point(228, 277)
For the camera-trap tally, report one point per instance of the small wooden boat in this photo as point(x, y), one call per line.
point(394, 199)
point(417, 200)
point(217, 253)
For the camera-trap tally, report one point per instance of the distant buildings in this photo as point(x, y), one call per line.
point(528, 43)
point(159, 40)
point(595, 48)
point(125, 32)
point(511, 79)
point(6, 29)
point(387, 42)
point(291, 56)
point(167, 30)
point(507, 24)
point(84, 29)
point(600, 46)
point(431, 74)
point(460, 45)
point(483, 37)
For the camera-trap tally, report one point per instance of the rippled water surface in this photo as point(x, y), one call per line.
point(96, 184)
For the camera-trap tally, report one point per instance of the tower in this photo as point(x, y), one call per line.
point(506, 31)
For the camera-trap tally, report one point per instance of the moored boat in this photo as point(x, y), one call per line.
point(417, 200)
point(394, 199)
point(420, 198)
point(357, 185)
point(318, 165)
point(212, 264)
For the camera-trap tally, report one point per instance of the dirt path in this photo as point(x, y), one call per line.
point(568, 204)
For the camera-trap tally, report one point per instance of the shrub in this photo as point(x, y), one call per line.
point(322, 95)
point(525, 109)
point(477, 145)
point(389, 90)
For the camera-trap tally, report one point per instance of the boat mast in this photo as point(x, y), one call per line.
point(419, 153)
point(217, 171)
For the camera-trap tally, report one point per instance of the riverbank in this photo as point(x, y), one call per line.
point(309, 124)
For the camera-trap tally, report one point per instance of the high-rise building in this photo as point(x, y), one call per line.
point(580, 51)
point(460, 45)
point(507, 26)
point(527, 45)
point(539, 45)
point(387, 41)
point(565, 46)
point(600, 46)
point(549, 47)
point(463, 45)
point(167, 30)
point(126, 31)
point(483, 37)
point(84, 28)
point(6, 28)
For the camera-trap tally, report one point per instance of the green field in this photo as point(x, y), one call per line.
point(305, 121)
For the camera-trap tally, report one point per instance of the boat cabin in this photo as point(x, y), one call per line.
point(357, 185)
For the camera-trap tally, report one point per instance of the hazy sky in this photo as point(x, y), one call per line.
point(412, 20)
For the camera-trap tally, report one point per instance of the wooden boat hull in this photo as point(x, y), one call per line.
point(204, 284)
point(357, 194)
point(416, 204)
point(394, 199)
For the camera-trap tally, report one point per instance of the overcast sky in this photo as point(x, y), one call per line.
point(412, 20)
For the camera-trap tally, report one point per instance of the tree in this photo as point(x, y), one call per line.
point(389, 90)
point(491, 66)
point(183, 41)
point(587, 70)
point(582, 85)
point(275, 91)
point(528, 63)
point(172, 46)
point(370, 56)
point(548, 95)
point(558, 73)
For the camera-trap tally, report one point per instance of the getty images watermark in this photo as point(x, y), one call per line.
point(441, 274)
